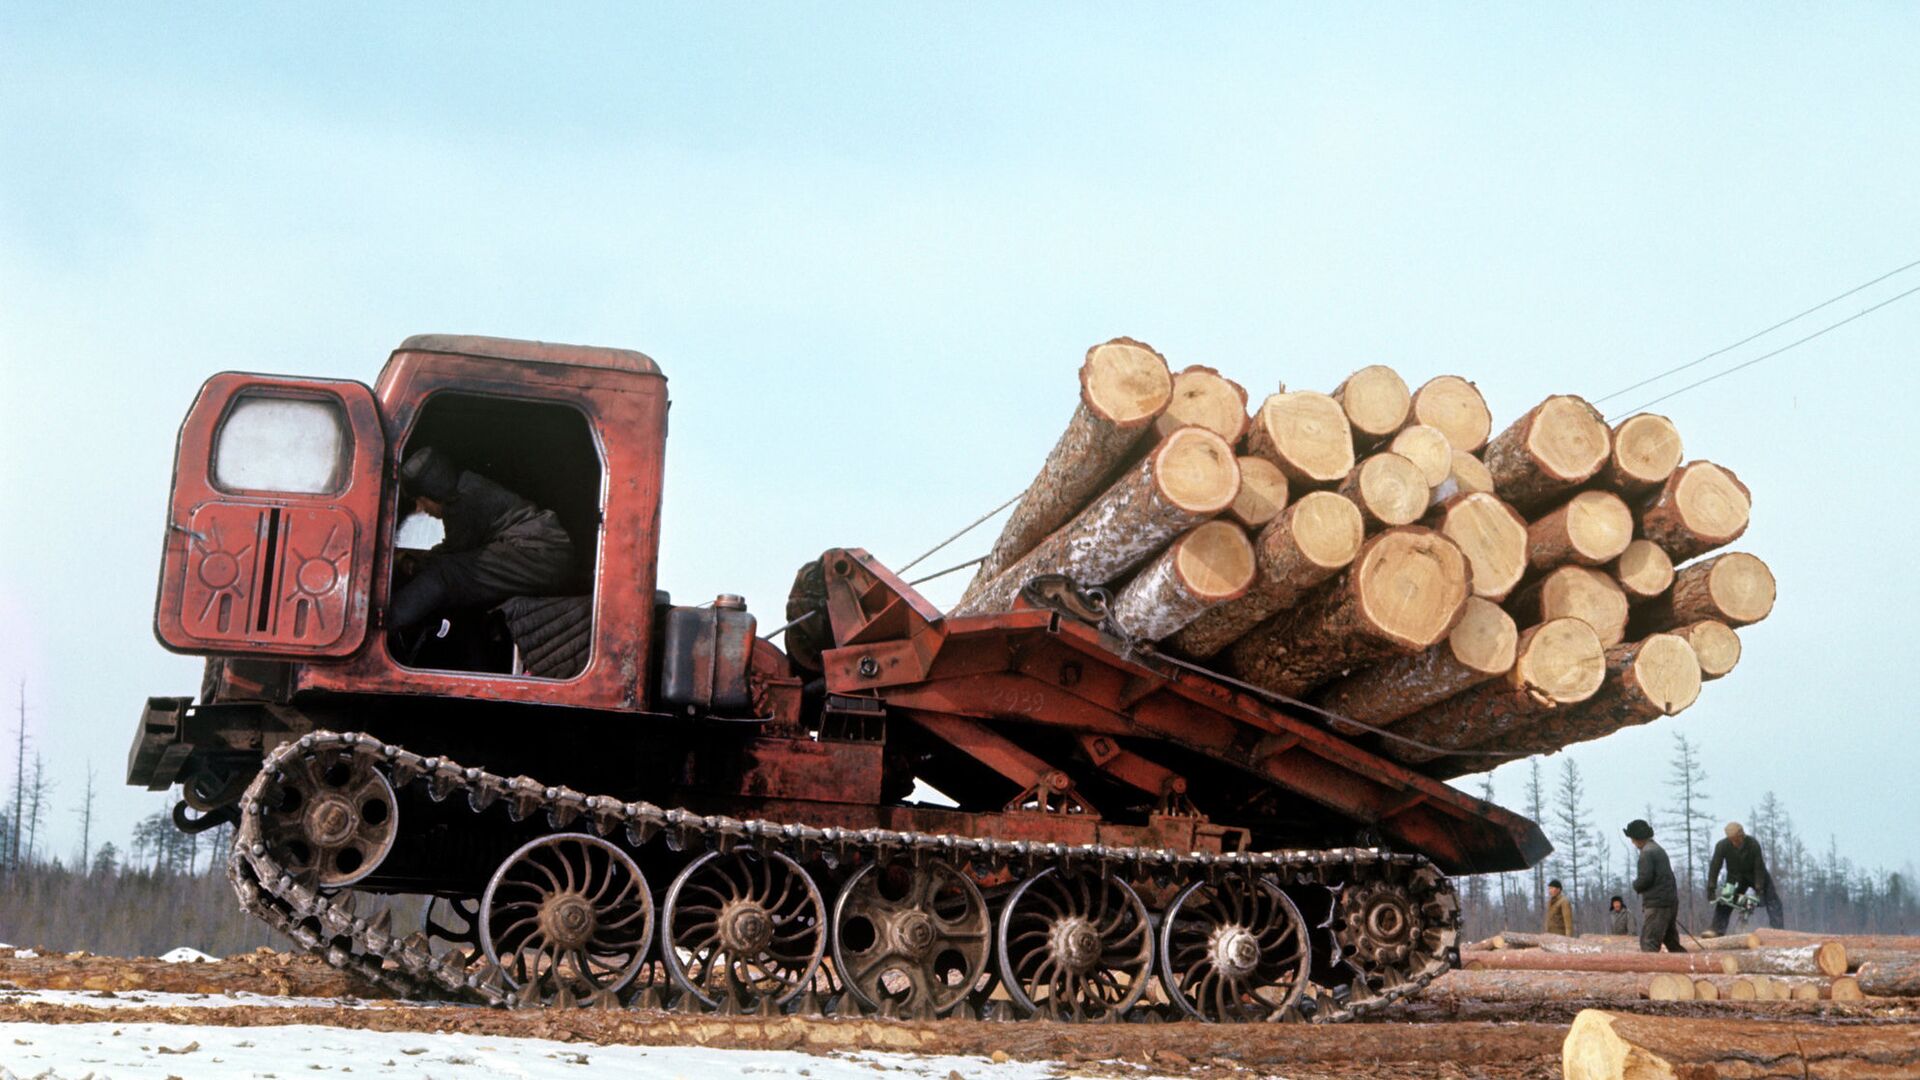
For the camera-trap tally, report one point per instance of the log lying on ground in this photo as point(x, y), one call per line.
point(1643, 571)
point(1890, 977)
point(1404, 592)
point(1492, 534)
point(1702, 506)
point(1847, 988)
point(1705, 989)
point(1828, 958)
point(1592, 529)
point(1853, 942)
point(1520, 939)
point(1646, 450)
point(1263, 493)
point(1735, 588)
point(1388, 489)
point(1187, 479)
point(1208, 566)
point(1466, 473)
point(1480, 647)
point(1376, 402)
point(1205, 398)
point(1716, 646)
point(1312, 540)
point(1560, 986)
point(1453, 405)
point(1124, 386)
point(1553, 448)
point(1575, 592)
point(1605, 1045)
point(1657, 676)
point(1557, 663)
point(1539, 960)
point(1428, 448)
point(1306, 434)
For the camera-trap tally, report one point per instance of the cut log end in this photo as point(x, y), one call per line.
point(1389, 490)
point(1715, 644)
point(1307, 435)
point(1411, 587)
point(1700, 507)
point(1646, 450)
point(1568, 440)
point(1202, 397)
point(1125, 382)
point(1643, 570)
point(1485, 638)
point(1494, 538)
point(1327, 530)
point(1667, 673)
point(1578, 592)
point(1741, 587)
point(1263, 492)
point(1197, 471)
point(1455, 406)
point(1376, 402)
point(1592, 529)
point(1215, 561)
point(1427, 447)
point(1560, 661)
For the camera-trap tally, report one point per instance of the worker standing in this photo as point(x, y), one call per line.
point(1659, 892)
point(1746, 869)
point(1619, 919)
point(1559, 910)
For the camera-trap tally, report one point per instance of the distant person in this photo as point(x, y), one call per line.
point(1619, 919)
point(1659, 892)
point(1559, 910)
point(1746, 869)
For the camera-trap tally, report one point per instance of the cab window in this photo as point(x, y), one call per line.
point(278, 443)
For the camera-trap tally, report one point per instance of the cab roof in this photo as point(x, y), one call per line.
point(539, 352)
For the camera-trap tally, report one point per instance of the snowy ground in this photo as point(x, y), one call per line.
point(128, 999)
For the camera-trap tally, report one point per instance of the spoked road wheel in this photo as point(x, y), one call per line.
point(745, 925)
point(452, 924)
point(567, 916)
point(332, 820)
point(1075, 946)
point(918, 937)
point(1233, 950)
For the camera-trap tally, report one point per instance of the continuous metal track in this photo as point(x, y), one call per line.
point(1414, 917)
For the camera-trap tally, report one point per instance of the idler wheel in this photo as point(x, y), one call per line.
point(1234, 950)
point(743, 925)
point(1075, 946)
point(569, 912)
point(331, 818)
point(916, 936)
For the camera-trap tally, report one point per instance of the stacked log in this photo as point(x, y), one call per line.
point(1605, 1045)
point(1263, 493)
point(1376, 402)
point(1453, 405)
point(1646, 450)
point(1555, 447)
point(1854, 943)
point(1428, 448)
point(1648, 962)
point(1307, 435)
point(1210, 565)
point(1491, 535)
point(1736, 589)
point(1700, 507)
point(1715, 645)
point(1202, 397)
point(1485, 985)
point(1591, 529)
point(1654, 677)
point(1893, 976)
point(1828, 958)
point(1388, 489)
point(1309, 542)
point(1557, 663)
point(1644, 571)
point(1575, 592)
point(1480, 647)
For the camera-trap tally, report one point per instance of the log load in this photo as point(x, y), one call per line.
point(1306, 434)
point(1210, 565)
point(1376, 402)
point(1646, 450)
point(1658, 676)
point(1560, 986)
point(1263, 493)
point(1890, 977)
point(1187, 479)
point(1453, 405)
point(1702, 506)
point(1466, 473)
point(1404, 592)
point(1715, 644)
point(1735, 588)
point(1853, 942)
point(1480, 647)
point(1605, 1045)
point(1591, 529)
point(1124, 386)
point(1556, 664)
point(1555, 447)
point(1575, 592)
point(1388, 489)
point(1426, 447)
point(1643, 571)
point(1205, 398)
point(1828, 958)
point(1538, 960)
point(1492, 534)
point(1311, 541)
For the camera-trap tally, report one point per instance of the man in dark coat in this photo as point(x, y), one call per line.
point(1659, 892)
point(498, 545)
point(1746, 869)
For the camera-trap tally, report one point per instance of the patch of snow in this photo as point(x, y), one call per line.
point(25, 954)
point(133, 999)
point(184, 955)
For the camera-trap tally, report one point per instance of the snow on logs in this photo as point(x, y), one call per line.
point(1309, 542)
point(1555, 447)
point(1210, 565)
point(1556, 664)
point(1700, 507)
point(1604, 1045)
point(1480, 647)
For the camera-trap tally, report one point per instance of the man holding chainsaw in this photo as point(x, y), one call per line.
point(1746, 871)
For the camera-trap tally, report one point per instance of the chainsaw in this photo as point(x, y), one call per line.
point(1741, 900)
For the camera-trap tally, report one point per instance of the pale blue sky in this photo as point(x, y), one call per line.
point(870, 244)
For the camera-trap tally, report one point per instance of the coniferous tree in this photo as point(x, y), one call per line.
point(1687, 814)
point(1571, 818)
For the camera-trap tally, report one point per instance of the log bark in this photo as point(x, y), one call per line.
point(1715, 644)
point(1306, 434)
point(1556, 664)
point(1575, 592)
point(1734, 588)
point(1466, 474)
point(1829, 958)
point(1702, 506)
point(1404, 592)
point(1124, 386)
point(1658, 676)
point(1428, 448)
point(1263, 492)
point(1643, 571)
point(1453, 405)
point(1646, 450)
point(1538, 960)
point(1388, 489)
point(1891, 977)
point(1605, 1045)
point(1208, 566)
point(1493, 536)
point(1202, 397)
point(1553, 448)
point(1853, 942)
point(1311, 541)
point(1559, 986)
point(1480, 647)
point(1591, 529)
point(1187, 479)
point(1376, 402)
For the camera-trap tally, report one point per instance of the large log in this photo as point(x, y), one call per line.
point(1553, 448)
point(1187, 479)
point(1643, 571)
point(1646, 450)
point(1428, 448)
point(1538, 960)
point(1575, 592)
point(1853, 942)
point(1492, 534)
point(1520, 939)
point(1658, 676)
point(1556, 664)
point(1605, 1045)
point(1208, 566)
point(1702, 506)
point(1466, 473)
point(1312, 540)
point(1480, 647)
point(1453, 405)
point(1828, 958)
point(1715, 644)
point(1263, 493)
point(1404, 592)
point(1376, 402)
point(1205, 398)
point(1559, 986)
point(1306, 434)
point(1388, 489)
point(1734, 588)
point(1891, 976)
point(1592, 529)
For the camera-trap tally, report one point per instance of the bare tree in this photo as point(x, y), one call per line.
point(19, 780)
point(38, 799)
point(1570, 814)
point(1686, 785)
point(85, 813)
point(1537, 810)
